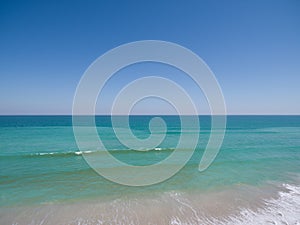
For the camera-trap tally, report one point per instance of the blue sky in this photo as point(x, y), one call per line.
point(253, 48)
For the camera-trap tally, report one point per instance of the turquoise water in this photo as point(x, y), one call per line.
point(41, 164)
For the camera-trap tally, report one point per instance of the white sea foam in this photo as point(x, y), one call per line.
point(83, 152)
point(60, 153)
point(283, 210)
point(46, 153)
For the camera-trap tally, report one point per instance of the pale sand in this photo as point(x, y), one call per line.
point(241, 205)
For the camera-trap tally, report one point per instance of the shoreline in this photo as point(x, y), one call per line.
point(239, 204)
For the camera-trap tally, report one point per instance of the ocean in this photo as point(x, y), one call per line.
point(255, 178)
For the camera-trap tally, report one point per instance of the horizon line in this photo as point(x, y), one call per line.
point(151, 115)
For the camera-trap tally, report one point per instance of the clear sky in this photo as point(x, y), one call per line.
point(253, 48)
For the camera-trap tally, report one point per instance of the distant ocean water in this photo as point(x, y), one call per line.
point(255, 178)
